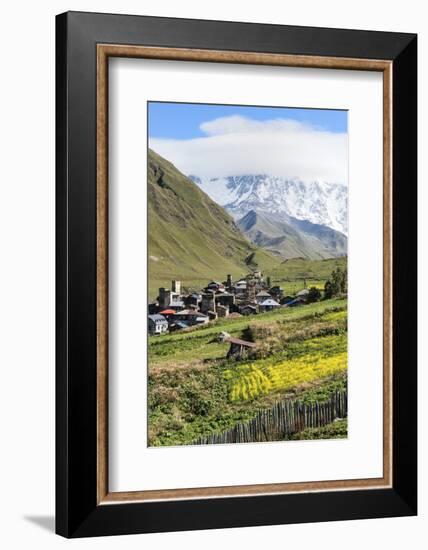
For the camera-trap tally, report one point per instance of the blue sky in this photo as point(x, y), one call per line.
point(183, 120)
point(225, 140)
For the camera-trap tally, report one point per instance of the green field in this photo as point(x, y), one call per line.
point(195, 391)
point(291, 274)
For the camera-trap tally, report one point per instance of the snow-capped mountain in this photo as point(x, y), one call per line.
point(318, 202)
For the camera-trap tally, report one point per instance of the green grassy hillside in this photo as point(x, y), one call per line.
point(191, 238)
point(194, 390)
point(300, 268)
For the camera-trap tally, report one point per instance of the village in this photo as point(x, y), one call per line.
point(175, 310)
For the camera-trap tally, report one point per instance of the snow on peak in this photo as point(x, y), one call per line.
point(319, 202)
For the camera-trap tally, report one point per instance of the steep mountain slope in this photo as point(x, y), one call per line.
point(192, 238)
point(291, 238)
point(318, 202)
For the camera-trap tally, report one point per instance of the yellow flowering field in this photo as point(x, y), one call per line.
point(259, 378)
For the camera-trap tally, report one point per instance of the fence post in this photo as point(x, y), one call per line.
point(282, 420)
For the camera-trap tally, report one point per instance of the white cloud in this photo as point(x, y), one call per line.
point(237, 145)
point(241, 125)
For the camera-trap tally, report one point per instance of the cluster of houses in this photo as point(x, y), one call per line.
point(176, 310)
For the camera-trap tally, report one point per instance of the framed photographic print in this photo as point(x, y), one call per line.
point(236, 244)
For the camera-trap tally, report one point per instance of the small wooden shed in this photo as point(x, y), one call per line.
point(238, 348)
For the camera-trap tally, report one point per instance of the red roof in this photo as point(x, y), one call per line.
point(167, 312)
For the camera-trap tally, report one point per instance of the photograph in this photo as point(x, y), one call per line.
point(247, 251)
point(212, 263)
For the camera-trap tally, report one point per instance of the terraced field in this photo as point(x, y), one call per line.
point(195, 391)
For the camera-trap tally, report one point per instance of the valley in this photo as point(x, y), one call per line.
point(192, 238)
point(288, 237)
point(247, 311)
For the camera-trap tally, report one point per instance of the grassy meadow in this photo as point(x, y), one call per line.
point(195, 391)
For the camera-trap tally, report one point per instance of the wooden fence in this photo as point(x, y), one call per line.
point(282, 420)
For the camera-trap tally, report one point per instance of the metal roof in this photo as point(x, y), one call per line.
point(191, 312)
point(269, 302)
point(302, 292)
point(181, 324)
point(295, 301)
point(156, 317)
point(178, 303)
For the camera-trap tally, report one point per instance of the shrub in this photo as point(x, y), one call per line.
point(336, 430)
point(337, 284)
point(314, 295)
